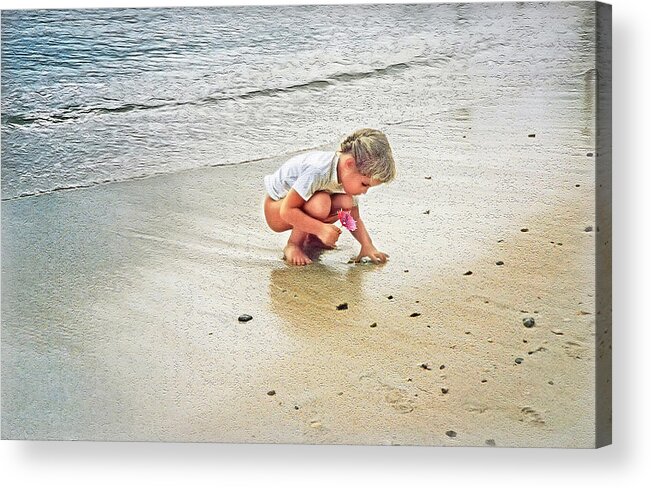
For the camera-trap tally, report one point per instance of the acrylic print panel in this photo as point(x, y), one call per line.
point(134, 147)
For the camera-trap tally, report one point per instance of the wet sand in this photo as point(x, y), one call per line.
point(121, 305)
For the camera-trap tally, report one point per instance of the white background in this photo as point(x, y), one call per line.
point(625, 463)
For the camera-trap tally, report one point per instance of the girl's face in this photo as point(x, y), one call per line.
point(353, 181)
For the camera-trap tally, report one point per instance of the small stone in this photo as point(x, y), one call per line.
point(550, 382)
point(500, 263)
point(209, 333)
point(451, 433)
point(557, 332)
point(501, 240)
point(442, 366)
point(524, 229)
point(532, 135)
point(428, 177)
point(484, 381)
point(295, 407)
point(244, 318)
point(588, 228)
point(390, 297)
point(271, 392)
point(426, 366)
point(577, 185)
point(467, 273)
point(406, 271)
point(444, 391)
point(529, 322)
point(343, 306)
point(518, 360)
point(415, 314)
point(490, 442)
point(426, 212)
point(589, 155)
point(373, 325)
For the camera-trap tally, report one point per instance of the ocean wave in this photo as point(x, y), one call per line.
point(72, 113)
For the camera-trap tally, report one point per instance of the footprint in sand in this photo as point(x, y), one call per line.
point(575, 350)
point(475, 408)
point(531, 416)
point(396, 398)
point(399, 401)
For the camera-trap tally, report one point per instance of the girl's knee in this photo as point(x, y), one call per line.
point(342, 201)
point(318, 206)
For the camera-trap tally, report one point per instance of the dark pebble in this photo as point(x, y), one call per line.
point(501, 240)
point(209, 333)
point(426, 366)
point(406, 271)
point(451, 433)
point(500, 263)
point(524, 230)
point(295, 407)
point(518, 360)
point(442, 366)
point(343, 306)
point(244, 318)
point(529, 322)
point(415, 314)
point(374, 324)
point(464, 137)
point(577, 186)
point(589, 155)
point(484, 381)
point(444, 391)
point(426, 212)
point(532, 135)
point(428, 177)
point(550, 382)
point(588, 228)
point(271, 392)
point(467, 273)
point(490, 442)
point(390, 297)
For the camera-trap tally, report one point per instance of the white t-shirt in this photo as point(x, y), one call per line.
point(306, 173)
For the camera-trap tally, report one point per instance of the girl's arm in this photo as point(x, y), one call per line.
point(361, 234)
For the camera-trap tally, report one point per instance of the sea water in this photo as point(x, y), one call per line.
point(95, 96)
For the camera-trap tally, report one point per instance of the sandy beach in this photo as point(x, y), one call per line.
point(120, 302)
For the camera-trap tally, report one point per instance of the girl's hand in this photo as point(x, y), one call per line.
point(372, 253)
point(329, 235)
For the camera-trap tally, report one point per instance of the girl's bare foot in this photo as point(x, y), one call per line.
point(313, 242)
point(293, 254)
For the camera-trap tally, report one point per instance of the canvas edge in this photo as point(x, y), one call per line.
point(603, 224)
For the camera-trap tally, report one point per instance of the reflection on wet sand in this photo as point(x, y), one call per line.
point(306, 299)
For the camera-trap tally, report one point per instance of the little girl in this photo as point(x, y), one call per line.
point(306, 192)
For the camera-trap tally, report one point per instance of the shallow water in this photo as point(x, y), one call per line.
point(93, 96)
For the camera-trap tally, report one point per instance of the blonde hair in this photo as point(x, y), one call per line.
point(372, 153)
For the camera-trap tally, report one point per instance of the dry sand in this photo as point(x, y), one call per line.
point(121, 304)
